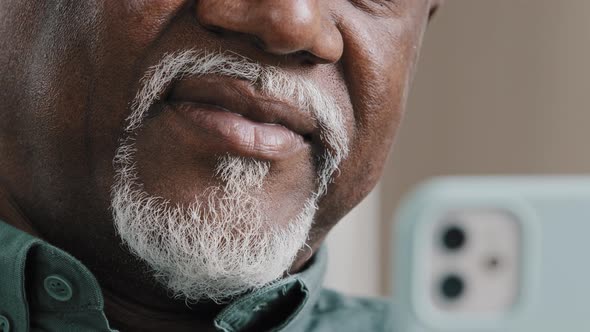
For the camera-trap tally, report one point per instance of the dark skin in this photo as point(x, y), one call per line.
point(71, 68)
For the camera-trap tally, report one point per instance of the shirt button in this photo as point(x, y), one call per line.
point(4, 324)
point(58, 287)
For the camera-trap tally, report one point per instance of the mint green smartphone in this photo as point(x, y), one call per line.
point(493, 254)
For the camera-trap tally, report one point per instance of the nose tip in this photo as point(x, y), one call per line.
point(279, 27)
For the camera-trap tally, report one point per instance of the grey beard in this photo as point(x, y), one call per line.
point(218, 247)
point(221, 244)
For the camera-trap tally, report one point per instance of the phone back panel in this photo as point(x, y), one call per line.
point(554, 216)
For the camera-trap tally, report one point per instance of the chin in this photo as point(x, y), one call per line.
point(222, 243)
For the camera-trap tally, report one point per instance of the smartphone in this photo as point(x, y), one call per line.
point(493, 254)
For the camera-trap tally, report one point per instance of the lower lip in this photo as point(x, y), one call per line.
point(220, 131)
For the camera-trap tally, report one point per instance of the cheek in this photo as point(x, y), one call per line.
point(380, 86)
point(140, 22)
point(377, 66)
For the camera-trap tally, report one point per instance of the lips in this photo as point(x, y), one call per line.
point(231, 116)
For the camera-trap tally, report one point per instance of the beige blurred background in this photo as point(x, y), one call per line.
point(503, 86)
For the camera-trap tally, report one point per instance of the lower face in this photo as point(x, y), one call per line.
point(233, 217)
point(177, 162)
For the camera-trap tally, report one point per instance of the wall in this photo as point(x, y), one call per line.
point(503, 86)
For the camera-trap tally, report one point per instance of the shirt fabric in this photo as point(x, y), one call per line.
point(43, 288)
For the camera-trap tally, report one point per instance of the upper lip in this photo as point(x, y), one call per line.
point(240, 97)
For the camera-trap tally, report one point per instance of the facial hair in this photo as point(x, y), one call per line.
point(221, 244)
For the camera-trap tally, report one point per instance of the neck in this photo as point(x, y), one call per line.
point(126, 314)
point(11, 214)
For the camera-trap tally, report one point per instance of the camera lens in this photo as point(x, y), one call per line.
point(453, 238)
point(452, 287)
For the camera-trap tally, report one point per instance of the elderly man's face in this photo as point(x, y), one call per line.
point(208, 130)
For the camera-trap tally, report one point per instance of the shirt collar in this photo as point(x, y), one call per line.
point(283, 303)
point(37, 276)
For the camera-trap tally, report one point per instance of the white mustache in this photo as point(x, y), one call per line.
point(272, 81)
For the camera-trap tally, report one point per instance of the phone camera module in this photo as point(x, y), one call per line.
point(452, 287)
point(453, 238)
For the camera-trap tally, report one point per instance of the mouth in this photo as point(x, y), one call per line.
point(229, 115)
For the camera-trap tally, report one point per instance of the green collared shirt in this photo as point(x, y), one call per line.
point(42, 288)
